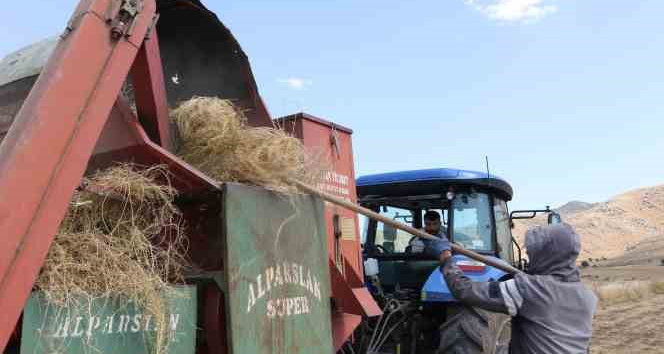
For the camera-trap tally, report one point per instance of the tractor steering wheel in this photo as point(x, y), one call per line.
point(409, 248)
point(381, 249)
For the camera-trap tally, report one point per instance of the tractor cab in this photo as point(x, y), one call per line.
point(406, 280)
point(473, 212)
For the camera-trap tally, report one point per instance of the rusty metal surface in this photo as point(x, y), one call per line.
point(46, 150)
point(277, 272)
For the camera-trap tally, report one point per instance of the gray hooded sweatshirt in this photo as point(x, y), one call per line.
point(552, 310)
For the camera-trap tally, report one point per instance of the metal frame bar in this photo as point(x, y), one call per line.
point(47, 148)
point(148, 77)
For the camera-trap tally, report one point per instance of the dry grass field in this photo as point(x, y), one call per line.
point(623, 248)
point(630, 317)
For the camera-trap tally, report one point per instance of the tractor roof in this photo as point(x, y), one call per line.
point(429, 181)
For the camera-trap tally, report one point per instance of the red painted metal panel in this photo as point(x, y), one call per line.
point(356, 301)
point(343, 326)
point(214, 320)
point(369, 306)
point(46, 151)
point(186, 178)
point(351, 298)
point(334, 143)
point(148, 78)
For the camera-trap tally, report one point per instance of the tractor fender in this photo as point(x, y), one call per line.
point(435, 289)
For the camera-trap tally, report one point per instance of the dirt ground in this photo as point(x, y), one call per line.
point(630, 327)
point(633, 326)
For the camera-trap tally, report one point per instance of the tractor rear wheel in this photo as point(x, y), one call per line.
point(474, 331)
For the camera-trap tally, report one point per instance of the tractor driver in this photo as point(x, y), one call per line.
point(432, 226)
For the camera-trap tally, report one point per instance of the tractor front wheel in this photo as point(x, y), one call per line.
point(470, 330)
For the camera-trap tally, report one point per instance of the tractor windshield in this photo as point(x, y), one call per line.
point(472, 221)
point(468, 219)
point(390, 239)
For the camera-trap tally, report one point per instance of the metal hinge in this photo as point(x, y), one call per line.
point(72, 23)
point(334, 140)
point(153, 25)
point(122, 18)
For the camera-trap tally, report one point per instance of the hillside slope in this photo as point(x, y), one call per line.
point(611, 228)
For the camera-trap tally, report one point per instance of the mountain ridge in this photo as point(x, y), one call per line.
point(611, 228)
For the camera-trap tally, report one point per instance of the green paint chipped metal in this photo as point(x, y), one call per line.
point(277, 272)
point(106, 326)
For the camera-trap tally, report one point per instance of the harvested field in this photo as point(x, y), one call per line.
point(630, 315)
point(630, 327)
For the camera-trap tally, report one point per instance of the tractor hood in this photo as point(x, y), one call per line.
point(436, 290)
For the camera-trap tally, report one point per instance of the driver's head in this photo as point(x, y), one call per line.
point(432, 222)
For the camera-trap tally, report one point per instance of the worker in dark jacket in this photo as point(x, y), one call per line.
point(552, 310)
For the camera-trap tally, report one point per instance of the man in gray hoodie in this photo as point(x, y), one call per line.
point(552, 311)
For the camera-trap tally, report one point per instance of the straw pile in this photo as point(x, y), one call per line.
point(216, 139)
point(121, 238)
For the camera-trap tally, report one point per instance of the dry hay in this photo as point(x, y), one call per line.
point(121, 238)
point(619, 292)
point(216, 139)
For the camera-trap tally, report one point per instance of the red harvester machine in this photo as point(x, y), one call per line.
point(66, 110)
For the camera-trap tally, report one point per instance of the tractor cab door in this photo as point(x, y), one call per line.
point(399, 266)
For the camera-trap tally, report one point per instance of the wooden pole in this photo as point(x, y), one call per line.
point(409, 229)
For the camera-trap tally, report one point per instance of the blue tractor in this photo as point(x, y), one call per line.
point(420, 313)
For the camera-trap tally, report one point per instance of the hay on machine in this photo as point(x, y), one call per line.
point(215, 138)
point(121, 238)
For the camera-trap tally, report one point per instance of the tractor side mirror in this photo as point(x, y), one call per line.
point(554, 218)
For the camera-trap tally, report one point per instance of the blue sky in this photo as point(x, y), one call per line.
point(565, 97)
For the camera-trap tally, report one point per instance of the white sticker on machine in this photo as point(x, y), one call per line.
point(348, 229)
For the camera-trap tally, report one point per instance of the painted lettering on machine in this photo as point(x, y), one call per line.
point(335, 183)
point(277, 276)
point(90, 325)
point(109, 324)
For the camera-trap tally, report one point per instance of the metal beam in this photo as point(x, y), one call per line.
point(151, 104)
point(45, 153)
